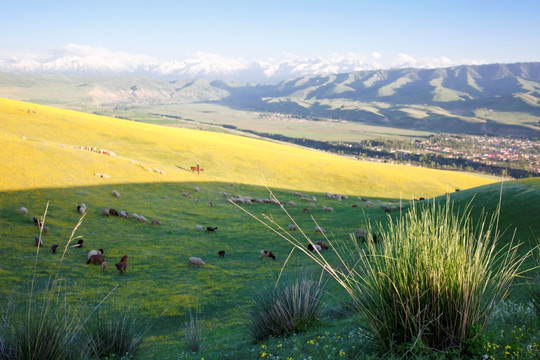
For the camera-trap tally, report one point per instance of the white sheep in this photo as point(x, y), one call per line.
point(199, 227)
point(135, 216)
point(105, 212)
point(197, 189)
point(292, 203)
point(124, 214)
point(292, 227)
point(116, 193)
point(142, 218)
point(360, 233)
point(24, 211)
point(155, 222)
point(319, 229)
point(81, 209)
point(196, 261)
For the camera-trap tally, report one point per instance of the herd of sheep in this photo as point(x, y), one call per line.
point(97, 256)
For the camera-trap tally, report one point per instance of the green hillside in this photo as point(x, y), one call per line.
point(41, 165)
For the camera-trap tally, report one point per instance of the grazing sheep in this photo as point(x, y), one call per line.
point(360, 233)
point(319, 229)
point(292, 227)
point(327, 208)
point(122, 265)
point(267, 254)
point(35, 221)
point(312, 205)
point(211, 229)
point(354, 205)
point(305, 209)
point(197, 189)
point(312, 248)
point(24, 211)
point(165, 197)
point(322, 244)
point(95, 252)
point(210, 204)
point(113, 212)
point(38, 241)
point(199, 227)
point(53, 248)
point(79, 243)
point(124, 214)
point(155, 222)
point(81, 209)
point(221, 253)
point(105, 212)
point(95, 259)
point(104, 266)
point(292, 203)
point(45, 229)
point(142, 218)
point(116, 193)
point(196, 261)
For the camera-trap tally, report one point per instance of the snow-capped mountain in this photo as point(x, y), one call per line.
point(85, 60)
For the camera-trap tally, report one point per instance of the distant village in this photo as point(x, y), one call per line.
point(496, 155)
point(512, 157)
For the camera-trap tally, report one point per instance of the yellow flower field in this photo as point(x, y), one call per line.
point(40, 147)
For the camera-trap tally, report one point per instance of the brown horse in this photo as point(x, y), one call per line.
point(198, 170)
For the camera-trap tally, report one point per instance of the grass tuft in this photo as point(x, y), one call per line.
point(193, 333)
point(291, 306)
point(115, 332)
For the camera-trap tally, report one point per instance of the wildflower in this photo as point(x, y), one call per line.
point(341, 353)
point(279, 346)
point(264, 354)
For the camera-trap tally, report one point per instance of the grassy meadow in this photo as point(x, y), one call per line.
point(42, 162)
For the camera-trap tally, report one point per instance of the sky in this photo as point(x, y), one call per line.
point(463, 31)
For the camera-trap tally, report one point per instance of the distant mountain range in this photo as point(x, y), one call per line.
point(495, 99)
point(86, 60)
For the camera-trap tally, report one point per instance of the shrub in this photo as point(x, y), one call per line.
point(291, 306)
point(193, 333)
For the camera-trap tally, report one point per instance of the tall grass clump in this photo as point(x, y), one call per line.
point(292, 305)
point(114, 332)
point(193, 333)
point(435, 280)
point(44, 326)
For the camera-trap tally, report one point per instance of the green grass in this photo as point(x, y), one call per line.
point(158, 277)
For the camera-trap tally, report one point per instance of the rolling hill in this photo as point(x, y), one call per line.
point(50, 155)
point(496, 99)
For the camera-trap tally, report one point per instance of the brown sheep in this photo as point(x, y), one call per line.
point(95, 259)
point(155, 222)
point(53, 248)
point(221, 253)
point(322, 244)
point(122, 265)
